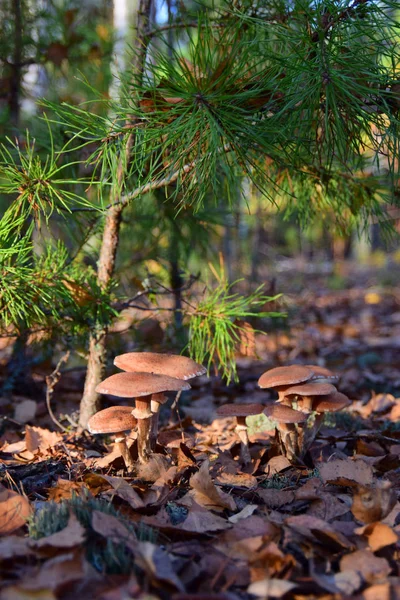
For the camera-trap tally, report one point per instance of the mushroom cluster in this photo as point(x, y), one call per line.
point(305, 393)
point(147, 378)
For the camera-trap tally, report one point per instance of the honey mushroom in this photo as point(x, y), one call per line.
point(241, 411)
point(145, 388)
point(116, 419)
point(172, 365)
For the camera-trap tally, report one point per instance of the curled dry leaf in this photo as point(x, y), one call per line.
point(14, 510)
point(346, 472)
point(125, 491)
point(205, 493)
point(247, 511)
point(317, 529)
point(40, 439)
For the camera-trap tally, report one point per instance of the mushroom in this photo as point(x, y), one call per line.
point(287, 418)
point(305, 393)
point(322, 374)
point(146, 388)
point(173, 365)
point(241, 411)
point(116, 419)
point(281, 378)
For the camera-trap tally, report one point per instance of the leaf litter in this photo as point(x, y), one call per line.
point(195, 522)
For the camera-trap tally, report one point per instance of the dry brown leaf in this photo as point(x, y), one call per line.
point(64, 490)
point(237, 480)
point(37, 438)
point(157, 565)
point(14, 510)
point(247, 511)
point(72, 535)
point(270, 588)
point(276, 498)
point(110, 527)
point(374, 502)
point(13, 546)
point(317, 529)
point(205, 493)
point(198, 520)
point(379, 535)
point(380, 591)
point(372, 568)
point(346, 472)
point(125, 491)
point(59, 571)
point(276, 465)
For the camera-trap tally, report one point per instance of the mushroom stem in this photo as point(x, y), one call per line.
point(289, 439)
point(143, 432)
point(241, 430)
point(155, 408)
point(124, 450)
point(310, 432)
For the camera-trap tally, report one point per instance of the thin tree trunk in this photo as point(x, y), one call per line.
point(15, 82)
point(97, 344)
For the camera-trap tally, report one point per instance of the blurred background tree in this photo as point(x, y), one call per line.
point(175, 132)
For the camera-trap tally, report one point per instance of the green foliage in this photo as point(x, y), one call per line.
point(215, 323)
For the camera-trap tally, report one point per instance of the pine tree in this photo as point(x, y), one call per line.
point(299, 98)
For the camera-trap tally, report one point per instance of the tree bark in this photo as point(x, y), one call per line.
point(106, 265)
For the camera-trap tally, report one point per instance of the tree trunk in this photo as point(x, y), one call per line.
point(97, 344)
point(14, 102)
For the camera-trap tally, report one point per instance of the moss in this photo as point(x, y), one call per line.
point(105, 555)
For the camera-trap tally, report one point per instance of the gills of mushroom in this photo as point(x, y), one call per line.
point(116, 419)
point(141, 386)
point(241, 411)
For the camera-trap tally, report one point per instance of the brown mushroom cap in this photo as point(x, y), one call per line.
point(281, 376)
point(180, 367)
point(310, 389)
point(284, 414)
point(240, 410)
point(331, 403)
point(322, 373)
point(136, 385)
point(112, 420)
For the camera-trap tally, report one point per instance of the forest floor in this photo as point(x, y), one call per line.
point(195, 523)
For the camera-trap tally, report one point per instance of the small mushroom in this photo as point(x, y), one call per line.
point(305, 393)
point(331, 403)
point(241, 411)
point(173, 365)
point(287, 418)
point(116, 419)
point(142, 387)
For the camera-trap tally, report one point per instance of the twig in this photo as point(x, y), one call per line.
point(51, 382)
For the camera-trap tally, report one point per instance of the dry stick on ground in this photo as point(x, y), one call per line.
point(109, 245)
point(51, 382)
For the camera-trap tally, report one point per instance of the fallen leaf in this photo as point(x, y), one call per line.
point(374, 502)
point(276, 465)
point(124, 491)
point(317, 529)
point(16, 592)
point(72, 535)
point(60, 570)
point(37, 438)
point(14, 510)
point(372, 568)
point(247, 511)
point(13, 546)
point(276, 498)
point(110, 527)
point(237, 480)
point(270, 588)
point(157, 565)
point(346, 472)
point(205, 493)
point(64, 490)
point(379, 535)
